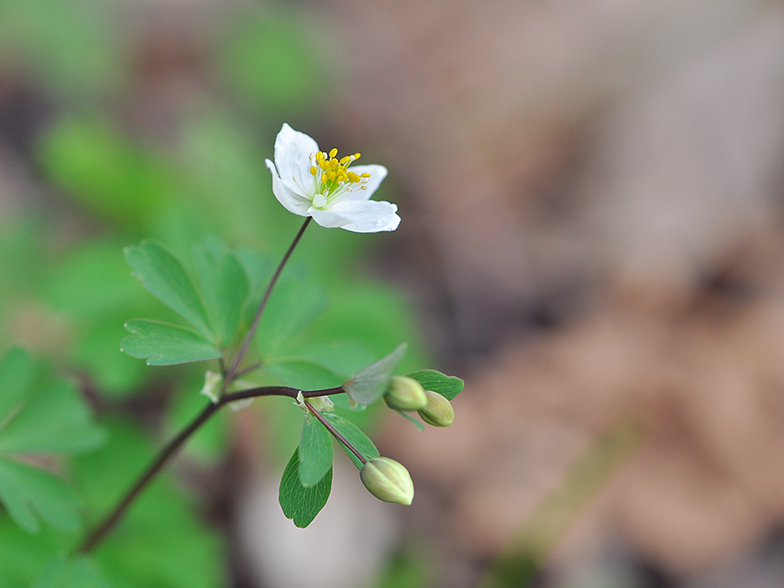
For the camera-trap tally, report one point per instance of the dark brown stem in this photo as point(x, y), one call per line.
point(277, 391)
point(171, 448)
point(334, 432)
point(165, 454)
point(254, 325)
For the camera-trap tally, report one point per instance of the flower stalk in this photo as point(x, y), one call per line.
point(171, 448)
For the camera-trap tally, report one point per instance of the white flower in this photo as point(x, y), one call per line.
point(311, 182)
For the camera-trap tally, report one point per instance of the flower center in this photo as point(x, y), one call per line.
point(333, 178)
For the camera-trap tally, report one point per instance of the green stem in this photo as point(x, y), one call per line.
point(229, 378)
point(173, 446)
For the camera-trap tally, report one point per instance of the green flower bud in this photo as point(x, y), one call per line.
point(405, 393)
point(387, 480)
point(438, 412)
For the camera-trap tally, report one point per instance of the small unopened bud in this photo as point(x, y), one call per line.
point(388, 480)
point(438, 412)
point(405, 394)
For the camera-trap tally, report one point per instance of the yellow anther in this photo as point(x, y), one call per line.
point(313, 170)
point(319, 156)
point(357, 155)
point(365, 175)
point(345, 160)
point(333, 152)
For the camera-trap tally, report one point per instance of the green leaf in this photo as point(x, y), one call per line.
point(224, 287)
point(39, 419)
point(355, 436)
point(114, 373)
point(16, 375)
point(75, 572)
point(106, 173)
point(90, 281)
point(303, 374)
point(370, 383)
point(54, 420)
point(29, 493)
point(162, 541)
point(300, 503)
point(258, 266)
point(446, 386)
point(315, 451)
point(340, 357)
point(163, 274)
point(293, 305)
point(165, 344)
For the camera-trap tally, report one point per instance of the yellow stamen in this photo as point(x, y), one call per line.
point(332, 174)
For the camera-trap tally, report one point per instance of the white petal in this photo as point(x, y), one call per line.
point(290, 201)
point(377, 175)
point(292, 158)
point(370, 216)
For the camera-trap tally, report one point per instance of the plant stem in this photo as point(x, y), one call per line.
point(277, 391)
point(171, 448)
point(334, 431)
point(165, 454)
point(254, 325)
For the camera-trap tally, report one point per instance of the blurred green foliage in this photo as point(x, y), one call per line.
point(104, 184)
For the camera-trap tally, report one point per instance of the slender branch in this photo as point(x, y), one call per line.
point(254, 325)
point(277, 391)
point(171, 448)
point(335, 433)
point(165, 454)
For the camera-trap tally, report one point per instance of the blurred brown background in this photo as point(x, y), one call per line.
point(592, 233)
point(599, 186)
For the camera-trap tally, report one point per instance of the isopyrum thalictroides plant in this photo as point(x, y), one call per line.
point(232, 319)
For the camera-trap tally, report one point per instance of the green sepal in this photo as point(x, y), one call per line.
point(370, 383)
